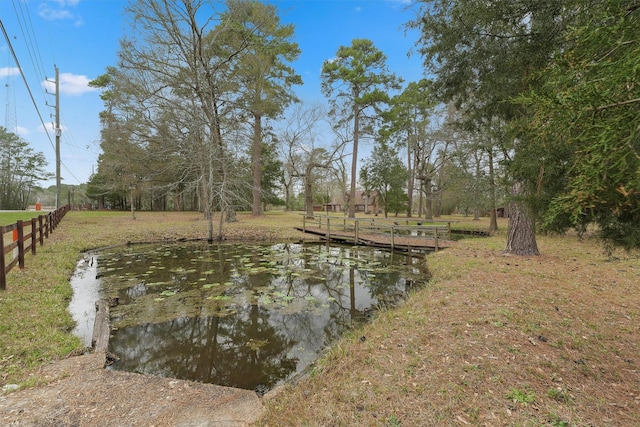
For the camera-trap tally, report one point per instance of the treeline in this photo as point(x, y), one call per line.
point(21, 168)
point(529, 103)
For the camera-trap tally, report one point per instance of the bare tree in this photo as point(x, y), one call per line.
point(304, 159)
point(176, 88)
point(297, 134)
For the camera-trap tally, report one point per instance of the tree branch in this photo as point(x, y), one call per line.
point(618, 104)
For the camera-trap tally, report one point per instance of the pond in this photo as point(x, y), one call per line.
point(246, 316)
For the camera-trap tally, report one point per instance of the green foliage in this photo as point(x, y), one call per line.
point(562, 77)
point(261, 73)
point(357, 79)
point(393, 421)
point(271, 175)
point(357, 83)
point(396, 201)
point(483, 52)
point(555, 421)
point(559, 394)
point(586, 119)
point(523, 397)
point(408, 121)
point(385, 173)
point(409, 125)
point(484, 55)
point(20, 169)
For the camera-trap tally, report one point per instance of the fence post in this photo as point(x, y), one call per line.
point(328, 229)
point(392, 237)
point(37, 226)
point(20, 244)
point(3, 273)
point(357, 232)
point(435, 235)
point(33, 236)
point(16, 251)
point(40, 230)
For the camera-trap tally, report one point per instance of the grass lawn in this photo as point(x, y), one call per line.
point(11, 217)
point(494, 340)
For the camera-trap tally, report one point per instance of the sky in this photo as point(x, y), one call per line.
point(81, 38)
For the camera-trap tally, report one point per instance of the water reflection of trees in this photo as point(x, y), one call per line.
point(238, 351)
point(264, 339)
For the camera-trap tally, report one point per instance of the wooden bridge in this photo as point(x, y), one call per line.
point(394, 234)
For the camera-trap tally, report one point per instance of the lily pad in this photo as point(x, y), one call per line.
point(220, 298)
point(168, 293)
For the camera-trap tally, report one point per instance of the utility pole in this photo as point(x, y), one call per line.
point(58, 133)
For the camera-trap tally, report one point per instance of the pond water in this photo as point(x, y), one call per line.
point(246, 316)
point(86, 291)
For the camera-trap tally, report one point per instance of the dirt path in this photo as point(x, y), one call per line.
point(81, 392)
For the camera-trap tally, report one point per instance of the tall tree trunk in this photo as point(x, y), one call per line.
point(428, 213)
point(437, 205)
point(354, 160)
point(493, 217)
point(420, 198)
point(521, 235)
point(411, 179)
point(476, 188)
point(287, 197)
point(133, 208)
point(308, 195)
point(207, 204)
point(220, 223)
point(256, 206)
point(177, 196)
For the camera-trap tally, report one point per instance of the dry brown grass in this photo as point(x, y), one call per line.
point(495, 340)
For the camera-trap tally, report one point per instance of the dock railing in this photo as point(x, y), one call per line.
point(389, 227)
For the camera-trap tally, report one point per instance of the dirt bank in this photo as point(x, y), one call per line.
point(81, 392)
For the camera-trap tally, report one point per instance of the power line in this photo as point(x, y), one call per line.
point(10, 115)
point(31, 41)
point(24, 79)
point(25, 22)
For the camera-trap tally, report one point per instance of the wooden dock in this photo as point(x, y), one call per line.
point(393, 234)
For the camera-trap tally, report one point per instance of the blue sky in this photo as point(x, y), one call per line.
point(81, 38)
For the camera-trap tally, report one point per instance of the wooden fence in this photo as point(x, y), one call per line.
point(25, 236)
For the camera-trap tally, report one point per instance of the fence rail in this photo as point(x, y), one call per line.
point(25, 236)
